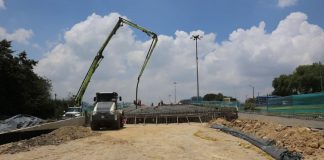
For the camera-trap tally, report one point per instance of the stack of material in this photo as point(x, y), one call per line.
point(19, 121)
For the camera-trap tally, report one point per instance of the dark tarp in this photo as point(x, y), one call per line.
point(266, 146)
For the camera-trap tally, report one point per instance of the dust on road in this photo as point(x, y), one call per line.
point(173, 141)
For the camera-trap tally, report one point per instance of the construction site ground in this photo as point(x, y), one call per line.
point(151, 141)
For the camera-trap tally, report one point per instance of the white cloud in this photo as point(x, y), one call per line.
point(286, 3)
point(252, 56)
point(2, 4)
point(20, 35)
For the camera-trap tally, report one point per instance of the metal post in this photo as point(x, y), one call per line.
point(197, 71)
point(252, 90)
point(196, 37)
point(200, 119)
point(175, 92)
point(267, 101)
point(144, 120)
point(321, 80)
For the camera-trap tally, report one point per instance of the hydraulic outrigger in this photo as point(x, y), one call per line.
point(99, 57)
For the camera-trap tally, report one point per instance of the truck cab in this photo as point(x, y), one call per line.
point(106, 112)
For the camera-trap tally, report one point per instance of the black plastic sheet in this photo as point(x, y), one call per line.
point(267, 146)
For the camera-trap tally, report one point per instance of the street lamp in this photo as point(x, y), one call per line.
point(175, 92)
point(321, 81)
point(252, 90)
point(196, 38)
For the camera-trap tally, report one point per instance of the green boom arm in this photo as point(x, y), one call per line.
point(99, 57)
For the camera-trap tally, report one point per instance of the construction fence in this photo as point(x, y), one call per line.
point(297, 105)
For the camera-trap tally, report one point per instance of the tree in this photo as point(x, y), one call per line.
point(305, 79)
point(249, 104)
point(214, 97)
point(21, 90)
point(283, 85)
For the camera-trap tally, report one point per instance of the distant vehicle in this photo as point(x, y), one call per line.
point(106, 112)
point(72, 112)
point(227, 99)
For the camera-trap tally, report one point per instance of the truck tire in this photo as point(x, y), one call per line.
point(121, 123)
point(94, 126)
point(117, 123)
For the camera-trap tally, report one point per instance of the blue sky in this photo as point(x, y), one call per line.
point(49, 19)
point(246, 42)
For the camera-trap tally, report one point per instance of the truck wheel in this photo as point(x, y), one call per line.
point(93, 126)
point(117, 123)
point(122, 122)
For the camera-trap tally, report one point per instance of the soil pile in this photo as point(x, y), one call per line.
point(301, 139)
point(55, 137)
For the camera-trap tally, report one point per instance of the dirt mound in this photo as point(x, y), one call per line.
point(301, 139)
point(55, 137)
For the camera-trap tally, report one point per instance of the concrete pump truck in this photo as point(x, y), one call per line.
point(106, 112)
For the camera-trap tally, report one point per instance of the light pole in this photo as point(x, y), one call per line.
point(252, 90)
point(175, 92)
point(196, 37)
point(320, 69)
point(321, 81)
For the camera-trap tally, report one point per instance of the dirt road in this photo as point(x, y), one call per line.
point(172, 141)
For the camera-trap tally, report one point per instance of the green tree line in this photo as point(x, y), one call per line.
point(305, 79)
point(21, 90)
point(216, 97)
point(208, 97)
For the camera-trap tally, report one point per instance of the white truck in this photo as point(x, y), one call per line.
point(72, 112)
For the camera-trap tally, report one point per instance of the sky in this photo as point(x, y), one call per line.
point(245, 43)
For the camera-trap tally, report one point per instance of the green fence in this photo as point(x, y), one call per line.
point(216, 103)
point(296, 104)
